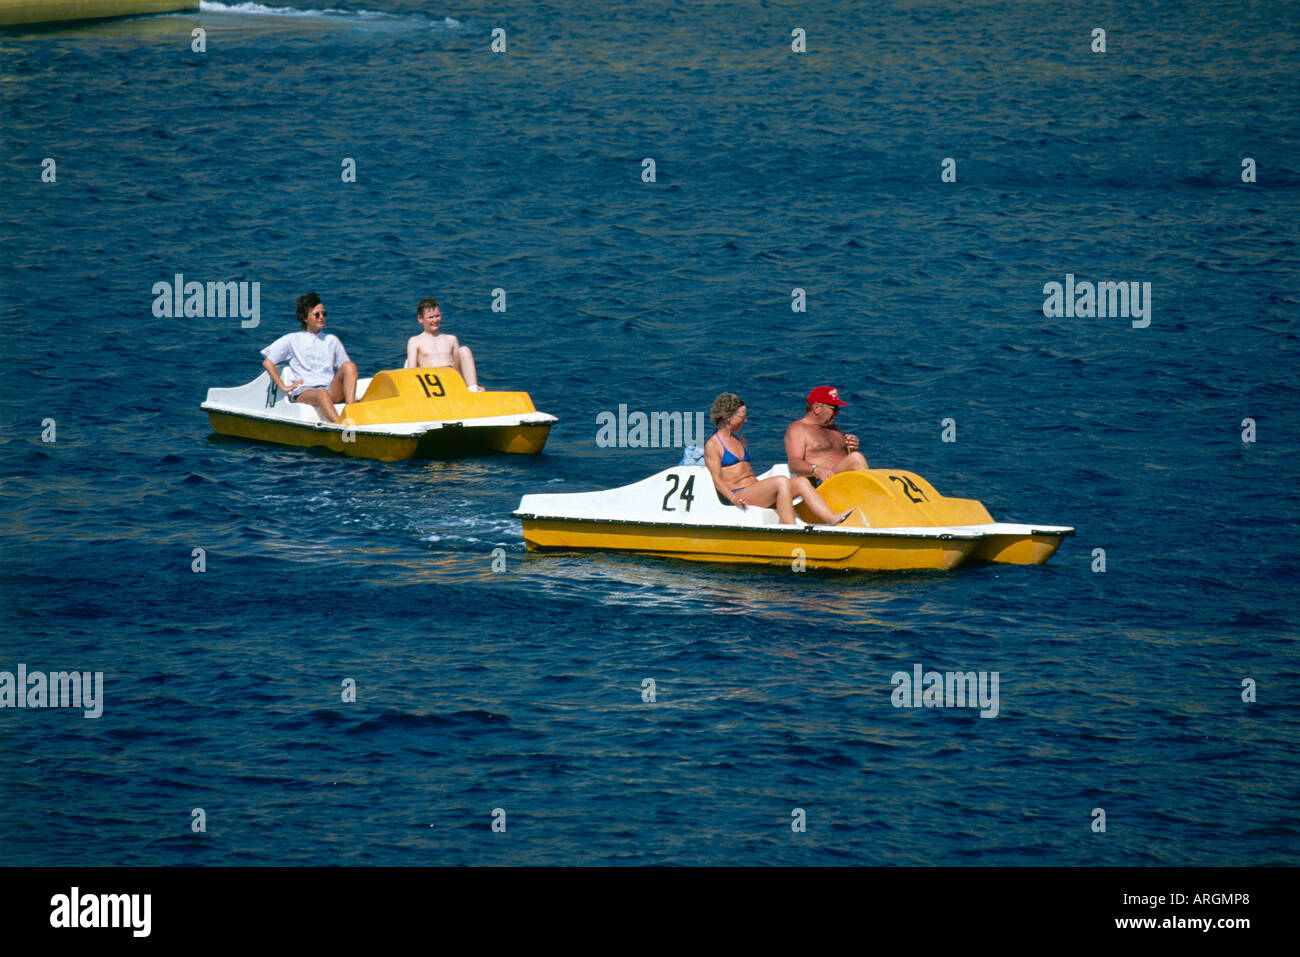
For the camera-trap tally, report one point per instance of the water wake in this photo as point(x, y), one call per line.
point(250, 8)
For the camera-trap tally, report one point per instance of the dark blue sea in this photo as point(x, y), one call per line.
point(1160, 690)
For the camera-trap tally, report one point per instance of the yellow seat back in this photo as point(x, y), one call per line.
point(423, 395)
point(891, 498)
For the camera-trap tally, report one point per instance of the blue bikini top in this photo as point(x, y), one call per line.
point(727, 457)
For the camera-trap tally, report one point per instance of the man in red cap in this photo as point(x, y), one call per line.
point(815, 446)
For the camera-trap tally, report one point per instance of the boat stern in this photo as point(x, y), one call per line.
point(459, 420)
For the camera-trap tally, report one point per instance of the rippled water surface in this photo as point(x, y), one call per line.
point(522, 689)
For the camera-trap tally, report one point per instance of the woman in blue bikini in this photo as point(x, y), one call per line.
point(734, 476)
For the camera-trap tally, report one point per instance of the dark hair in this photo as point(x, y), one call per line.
point(428, 302)
point(306, 303)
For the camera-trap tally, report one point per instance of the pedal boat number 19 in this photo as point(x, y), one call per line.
point(899, 523)
point(399, 414)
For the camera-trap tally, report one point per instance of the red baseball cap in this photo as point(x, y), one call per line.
point(825, 395)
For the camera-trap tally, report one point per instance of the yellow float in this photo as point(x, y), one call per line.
point(17, 12)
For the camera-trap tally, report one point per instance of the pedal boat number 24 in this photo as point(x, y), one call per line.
point(399, 414)
point(900, 523)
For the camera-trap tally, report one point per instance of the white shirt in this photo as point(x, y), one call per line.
point(312, 358)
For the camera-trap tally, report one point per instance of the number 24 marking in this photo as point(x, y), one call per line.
point(687, 495)
point(909, 487)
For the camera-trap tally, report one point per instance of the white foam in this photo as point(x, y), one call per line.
point(249, 8)
point(260, 9)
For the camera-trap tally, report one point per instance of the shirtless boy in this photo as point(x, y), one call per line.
point(815, 446)
point(432, 348)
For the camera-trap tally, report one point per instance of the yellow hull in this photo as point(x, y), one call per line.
point(752, 545)
point(14, 12)
point(1017, 549)
point(440, 444)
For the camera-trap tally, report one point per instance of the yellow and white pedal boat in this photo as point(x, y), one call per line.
point(399, 414)
point(900, 523)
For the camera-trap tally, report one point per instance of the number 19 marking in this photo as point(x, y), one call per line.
point(431, 385)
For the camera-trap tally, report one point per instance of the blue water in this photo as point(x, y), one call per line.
point(521, 689)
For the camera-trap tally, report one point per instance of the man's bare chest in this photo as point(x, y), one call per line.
point(820, 438)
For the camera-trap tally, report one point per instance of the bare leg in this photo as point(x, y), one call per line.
point(465, 365)
point(816, 504)
point(772, 492)
point(785, 501)
point(344, 386)
point(850, 463)
point(319, 399)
